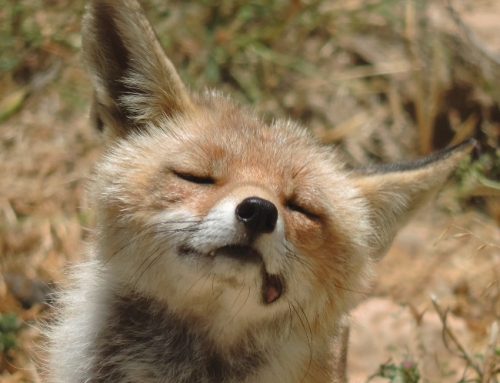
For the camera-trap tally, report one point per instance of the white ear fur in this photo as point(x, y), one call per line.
point(396, 191)
point(134, 81)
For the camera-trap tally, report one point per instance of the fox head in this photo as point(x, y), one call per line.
point(230, 221)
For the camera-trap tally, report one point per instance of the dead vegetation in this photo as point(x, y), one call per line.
point(383, 79)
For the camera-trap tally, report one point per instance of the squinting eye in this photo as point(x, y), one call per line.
point(202, 180)
point(290, 205)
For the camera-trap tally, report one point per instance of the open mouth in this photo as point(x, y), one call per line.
point(241, 253)
point(272, 286)
point(272, 289)
point(245, 254)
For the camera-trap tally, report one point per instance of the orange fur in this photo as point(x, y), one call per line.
point(239, 243)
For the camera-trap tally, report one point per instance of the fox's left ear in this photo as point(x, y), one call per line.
point(395, 191)
point(135, 84)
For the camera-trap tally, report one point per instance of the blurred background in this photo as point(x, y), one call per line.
point(383, 80)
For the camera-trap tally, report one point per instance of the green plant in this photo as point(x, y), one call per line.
point(9, 326)
point(405, 372)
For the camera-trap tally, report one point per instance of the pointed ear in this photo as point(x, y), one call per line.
point(396, 191)
point(134, 81)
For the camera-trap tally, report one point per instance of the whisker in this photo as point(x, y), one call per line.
point(148, 232)
point(308, 336)
point(146, 259)
point(214, 295)
point(294, 257)
point(236, 299)
point(195, 282)
point(243, 305)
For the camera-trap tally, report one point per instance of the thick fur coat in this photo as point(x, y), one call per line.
point(225, 249)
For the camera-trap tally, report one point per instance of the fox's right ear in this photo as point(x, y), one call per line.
point(394, 192)
point(134, 81)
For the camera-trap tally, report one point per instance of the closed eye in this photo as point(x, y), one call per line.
point(202, 180)
point(293, 206)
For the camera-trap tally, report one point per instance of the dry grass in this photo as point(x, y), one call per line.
point(384, 79)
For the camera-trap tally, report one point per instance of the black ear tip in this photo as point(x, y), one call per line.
point(463, 146)
point(461, 149)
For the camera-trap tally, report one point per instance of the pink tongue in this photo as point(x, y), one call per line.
point(274, 288)
point(272, 293)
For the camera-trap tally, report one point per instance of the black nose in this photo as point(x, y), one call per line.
point(258, 215)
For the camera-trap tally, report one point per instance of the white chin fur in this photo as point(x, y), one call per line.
point(227, 289)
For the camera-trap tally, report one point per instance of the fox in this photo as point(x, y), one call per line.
point(225, 249)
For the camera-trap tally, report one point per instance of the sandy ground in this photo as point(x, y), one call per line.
point(397, 321)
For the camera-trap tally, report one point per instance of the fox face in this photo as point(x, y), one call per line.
point(225, 249)
point(217, 207)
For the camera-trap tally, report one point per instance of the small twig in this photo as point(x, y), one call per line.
point(470, 360)
point(465, 233)
point(475, 235)
point(489, 356)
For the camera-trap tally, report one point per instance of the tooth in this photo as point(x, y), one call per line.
point(212, 253)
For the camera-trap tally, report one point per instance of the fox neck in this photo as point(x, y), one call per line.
point(145, 330)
